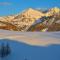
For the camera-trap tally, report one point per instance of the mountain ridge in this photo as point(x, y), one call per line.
point(24, 20)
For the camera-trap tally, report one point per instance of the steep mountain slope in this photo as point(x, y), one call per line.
point(24, 20)
point(27, 18)
point(7, 26)
point(50, 23)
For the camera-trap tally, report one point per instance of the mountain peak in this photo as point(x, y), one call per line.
point(55, 10)
point(31, 10)
point(32, 13)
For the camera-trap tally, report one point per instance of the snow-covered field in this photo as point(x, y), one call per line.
point(32, 38)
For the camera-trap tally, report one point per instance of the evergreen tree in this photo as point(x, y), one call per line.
point(5, 50)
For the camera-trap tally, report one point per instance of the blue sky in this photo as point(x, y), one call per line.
point(9, 7)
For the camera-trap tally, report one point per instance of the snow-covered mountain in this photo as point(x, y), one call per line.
point(23, 21)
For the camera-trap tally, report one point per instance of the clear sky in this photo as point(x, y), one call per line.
point(9, 7)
